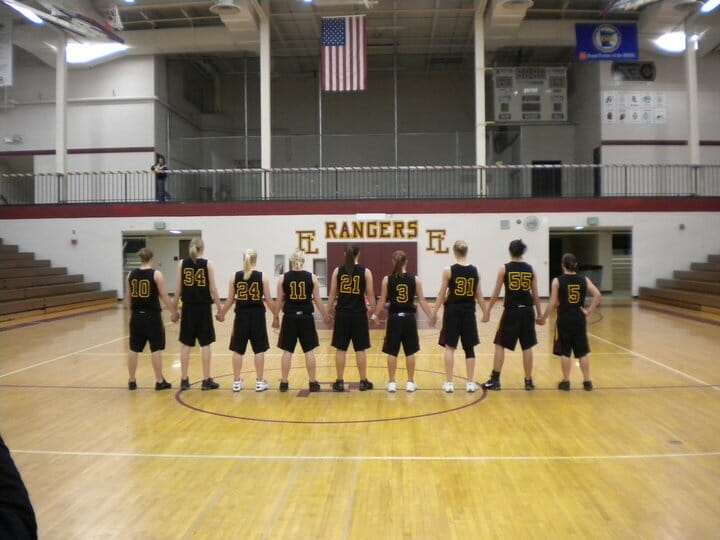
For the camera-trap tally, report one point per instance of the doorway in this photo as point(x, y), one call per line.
point(604, 255)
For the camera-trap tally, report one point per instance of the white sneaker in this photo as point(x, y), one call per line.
point(237, 386)
point(410, 386)
point(392, 387)
point(448, 387)
point(261, 386)
point(471, 387)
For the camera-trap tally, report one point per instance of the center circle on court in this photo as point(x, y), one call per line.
point(182, 397)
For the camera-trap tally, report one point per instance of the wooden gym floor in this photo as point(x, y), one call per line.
point(639, 457)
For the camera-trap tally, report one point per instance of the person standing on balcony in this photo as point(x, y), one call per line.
point(568, 296)
point(160, 169)
point(518, 318)
point(351, 285)
point(249, 291)
point(459, 291)
point(197, 290)
point(145, 287)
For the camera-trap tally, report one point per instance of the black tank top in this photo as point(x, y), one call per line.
point(248, 293)
point(143, 290)
point(351, 289)
point(518, 284)
point(401, 294)
point(195, 282)
point(298, 288)
point(463, 284)
point(572, 289)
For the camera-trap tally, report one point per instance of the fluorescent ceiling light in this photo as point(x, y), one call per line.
point(175, 232)
point(26, 12)
point(81, 53)
point(709, 6)
point(579, 228)
point(674, 42)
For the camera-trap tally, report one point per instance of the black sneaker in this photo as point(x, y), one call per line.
point(164, 385)
point(587, 385)
point(132, 385)
point(314, 386)
point(338, 386)
point(492, 384)
point(209, 384)
point(284, 386)
point(365, 385)
point(529, 385)
point(184, 384)
point(564, 385)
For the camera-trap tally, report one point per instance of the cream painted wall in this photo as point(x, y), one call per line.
point(659, 244)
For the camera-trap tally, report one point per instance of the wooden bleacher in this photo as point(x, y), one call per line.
point(32, 289)
point(697, 288)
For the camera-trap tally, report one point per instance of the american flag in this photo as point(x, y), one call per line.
point(344, 54)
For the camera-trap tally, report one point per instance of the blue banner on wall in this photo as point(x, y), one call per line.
point(606, 42)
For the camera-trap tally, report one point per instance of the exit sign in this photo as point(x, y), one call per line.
point(593, 221)
point(159, 225)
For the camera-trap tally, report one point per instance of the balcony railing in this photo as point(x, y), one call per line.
point(356, 183)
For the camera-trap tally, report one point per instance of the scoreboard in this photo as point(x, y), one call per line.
point(530, 94)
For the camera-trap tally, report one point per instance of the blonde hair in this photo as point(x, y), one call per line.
point(460, 248)
point(145, 255)
point(197, 246)
point(249, 260)
point(297, 260)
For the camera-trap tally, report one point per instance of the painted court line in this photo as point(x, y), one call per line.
point(44, 362)
point(657, 363)
point(367, 458)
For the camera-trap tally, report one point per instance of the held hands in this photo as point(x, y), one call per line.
point(433, 320)
point(276, 322)
point(486, 316)
point(540, 321)
point(220, 317)
point(175, 317)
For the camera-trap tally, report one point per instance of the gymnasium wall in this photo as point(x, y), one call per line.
point(98, 253)
point(665, 143)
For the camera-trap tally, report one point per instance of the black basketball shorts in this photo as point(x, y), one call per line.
point(196, 324)
point(298, 327)
point(351, 326)
point(401, 330)
point(517, 324)
point(459, 324)
point(146, 326)
point(249, 325)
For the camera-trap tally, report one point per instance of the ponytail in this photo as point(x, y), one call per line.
point(249, 260)
point(399, 260)
point(351, 254)
point(569, 262)
point(197, 246)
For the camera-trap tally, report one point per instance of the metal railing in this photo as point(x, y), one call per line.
point(355, 183)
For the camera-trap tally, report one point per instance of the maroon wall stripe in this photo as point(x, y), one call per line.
point(119, 150)
point(474, 206)
point(648, 142)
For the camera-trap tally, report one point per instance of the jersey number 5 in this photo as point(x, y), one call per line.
point(573, 294)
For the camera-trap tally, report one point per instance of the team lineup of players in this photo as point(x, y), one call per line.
point(351, 292)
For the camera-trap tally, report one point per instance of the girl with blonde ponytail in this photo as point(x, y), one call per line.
point(249, 292)
point(196, 288)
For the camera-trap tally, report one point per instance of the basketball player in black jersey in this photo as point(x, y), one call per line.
point(145, 287)
point(197, 290)
point(568, 296)
point(461, 284)
point(351, 284)
point(297, 291)
point(518, 318)
point(248, 289)
point(399, 290)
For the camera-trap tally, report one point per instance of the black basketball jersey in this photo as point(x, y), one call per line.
point(248, 292)
point(401, 294)
point(143, 290)
point(463, 284)
point(351, 289)
point(518, 284)
point(298, 288)
point(572, 289)
point(195, 282)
